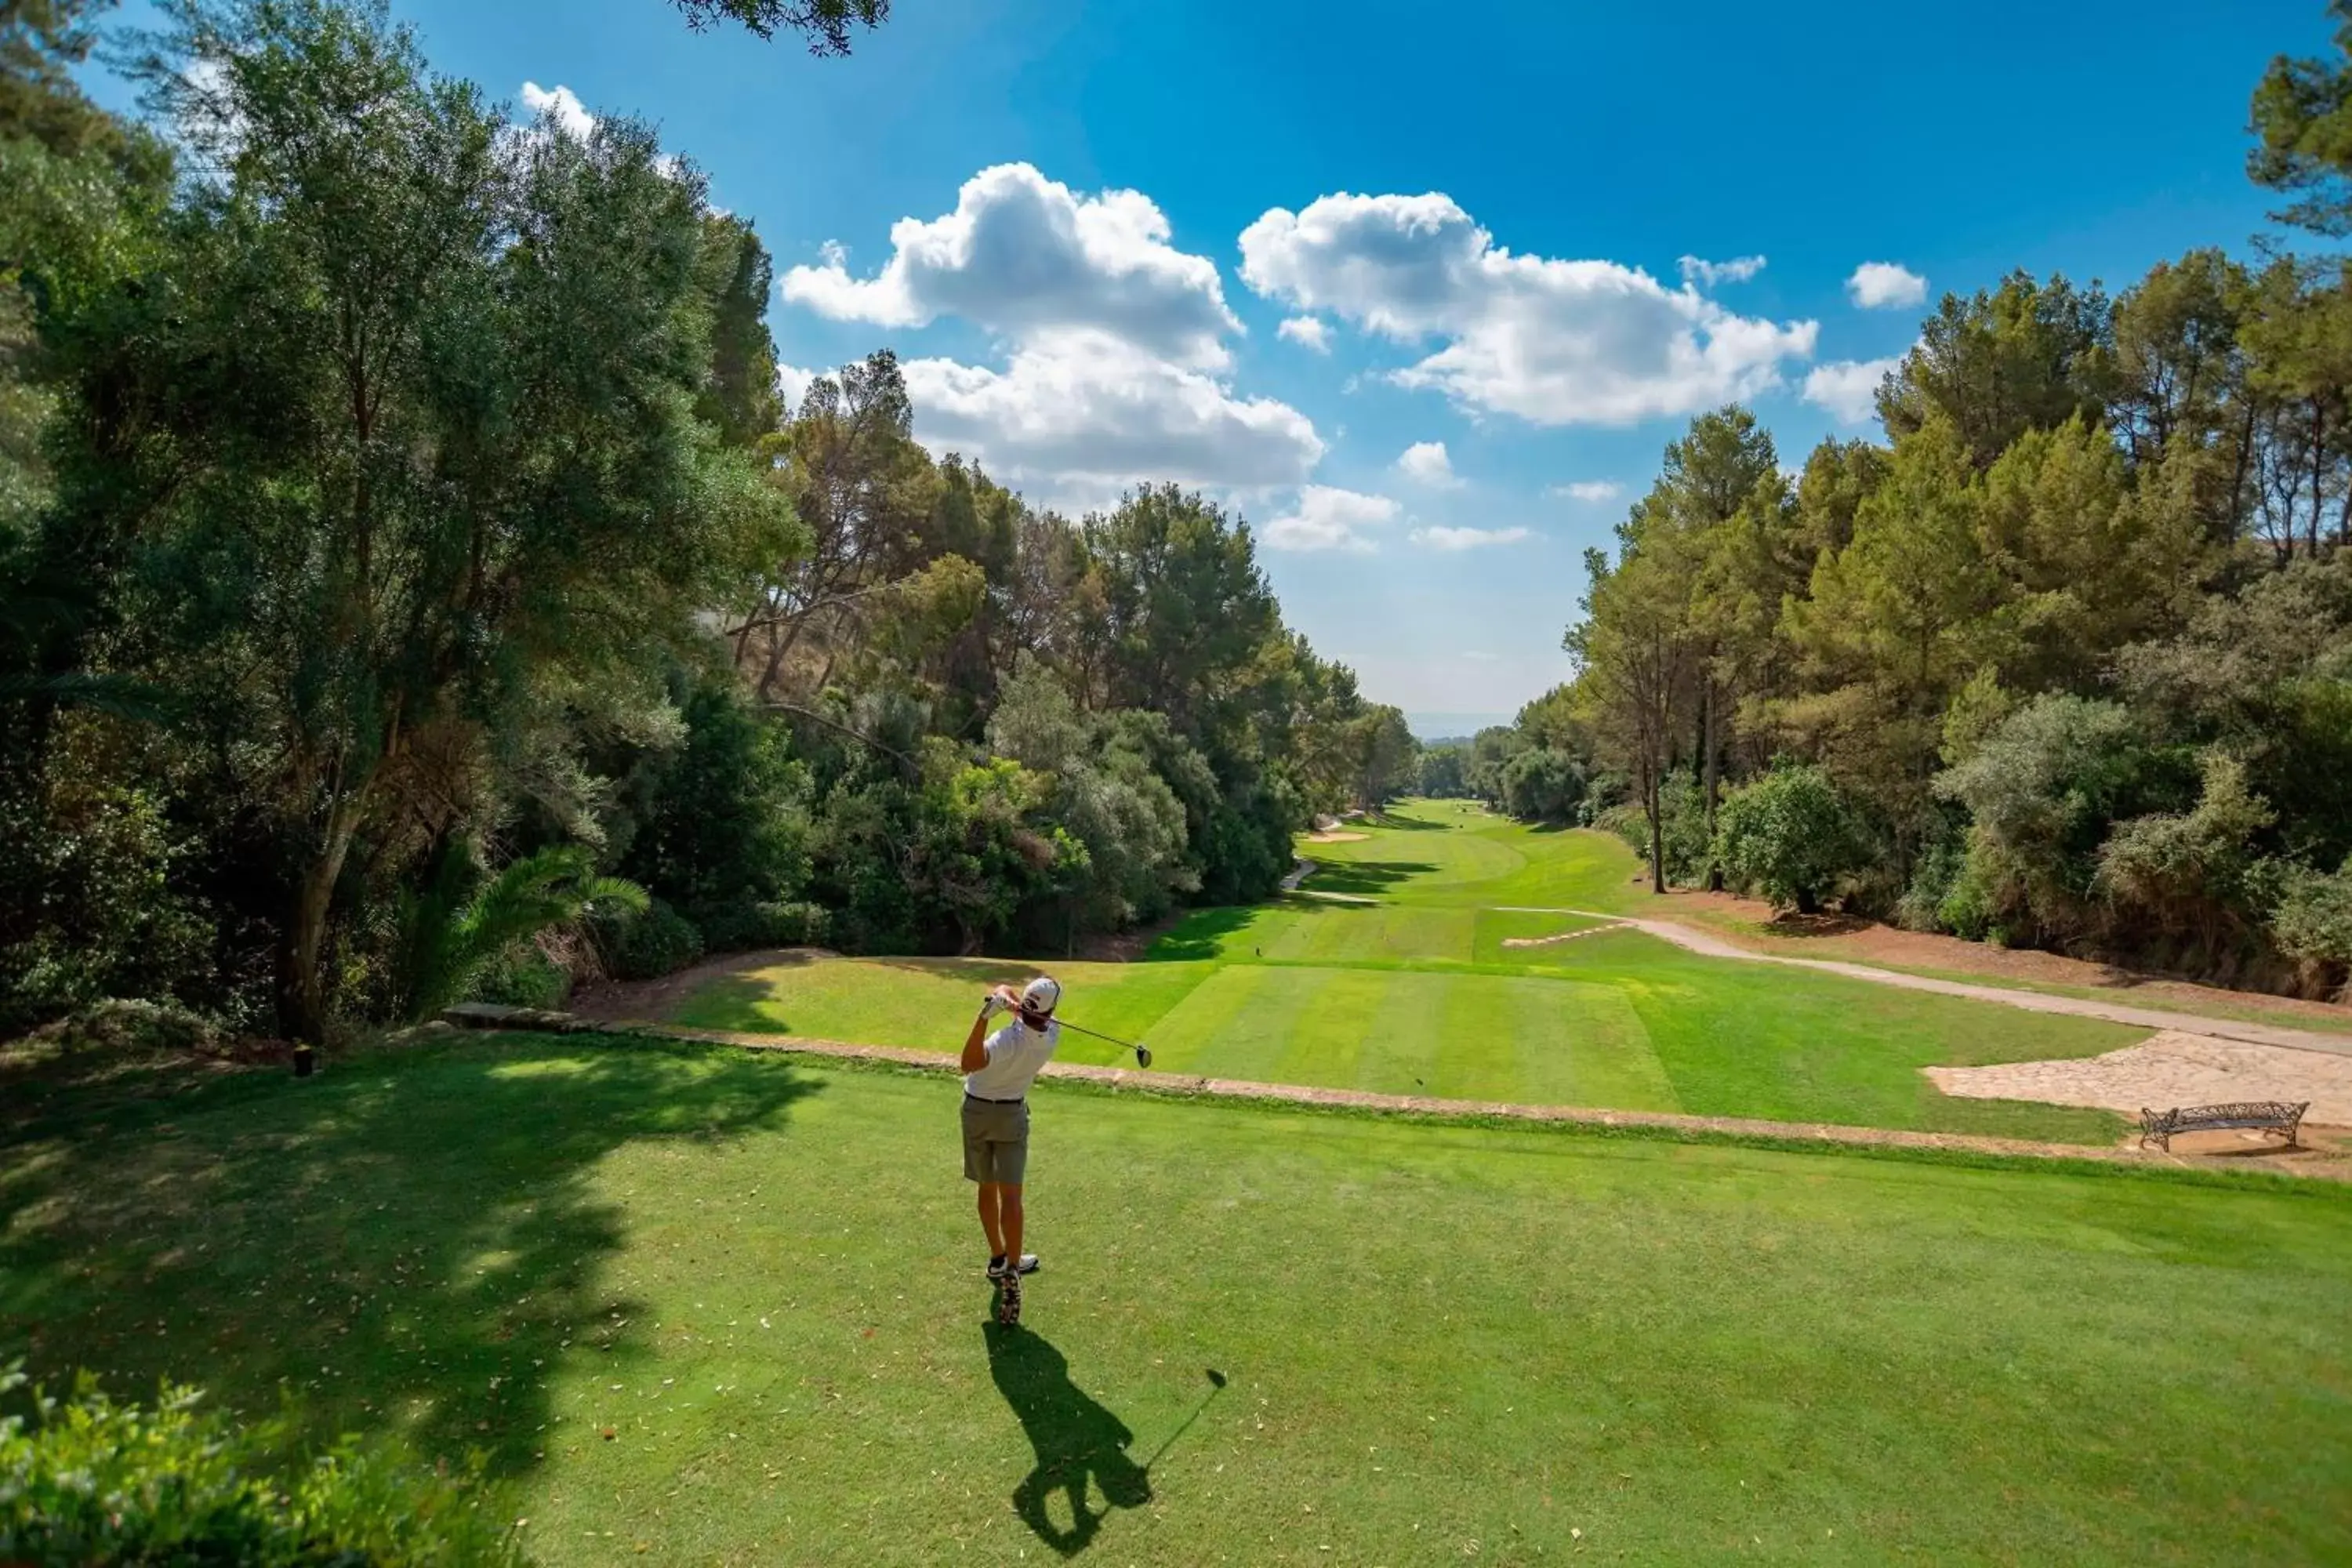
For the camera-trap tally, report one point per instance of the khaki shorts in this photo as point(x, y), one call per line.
point(995, 1140)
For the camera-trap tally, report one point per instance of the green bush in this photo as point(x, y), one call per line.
point(88, 1480)
point(1937, 872)
point(459, 945)
point(523, 976)
point(2044, 789)
point(1627, 822)
point(88, 901)
point(1971, 905)
point(1682, 827)
point(722, 821)
point(134, 1026)
point(2313, 921)
point(1542, 785)
point(1789, 835)
point(742, 927)
point(658, 942)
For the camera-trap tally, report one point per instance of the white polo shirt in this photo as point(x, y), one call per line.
point(1016, 1053)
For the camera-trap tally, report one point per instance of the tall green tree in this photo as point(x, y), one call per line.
point(2024, 356)
point(460, 459)
point(1637, 654)
point(2302, 118)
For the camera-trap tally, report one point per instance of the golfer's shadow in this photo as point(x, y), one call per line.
point(1077, 1441)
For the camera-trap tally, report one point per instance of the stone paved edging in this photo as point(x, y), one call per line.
point(1707, 944)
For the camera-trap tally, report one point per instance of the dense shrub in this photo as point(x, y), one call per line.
point(88, 868)
point(132, 1026)
point(2313, 925)
point(2193, 886)
point(1627, 822)
point(1788, 836)
point(89, 1481)
point(2044, 789)
point(493, 944)
point(523, 976)
point(1682, 825)
point(1937, 870)
point(1542, 785)
point(658, 942)
point(722, 822)
point(774, 923)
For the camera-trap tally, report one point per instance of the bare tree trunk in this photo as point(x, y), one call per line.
point(1651, 804)
point(2237, 477)
point(1714, 781)
point(2318, 468)
point(303, 1007)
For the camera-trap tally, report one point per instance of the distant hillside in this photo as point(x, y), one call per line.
point(1430, 729)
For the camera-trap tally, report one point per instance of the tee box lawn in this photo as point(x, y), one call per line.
point(700, 1305)
point(1405, 983)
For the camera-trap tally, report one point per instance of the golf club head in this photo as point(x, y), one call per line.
point(1143, 1056)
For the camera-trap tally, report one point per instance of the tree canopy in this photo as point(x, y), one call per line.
point(415, 581)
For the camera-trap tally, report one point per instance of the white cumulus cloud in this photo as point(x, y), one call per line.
point(1884, 286)
point(1090, 409)
point(1328, 518)
point(1848, 388)
point(1113, 360)
point(1553, 341)
point(1308, 332)
point(1425, 462)
point(1466, 538)
point(571, 115)
point(1588, 490)
point(560, 107)
point(1707, 274)
point(1025, 257)
point(792, 384)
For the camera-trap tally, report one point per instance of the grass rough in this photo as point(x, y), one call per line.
point(698, 1304)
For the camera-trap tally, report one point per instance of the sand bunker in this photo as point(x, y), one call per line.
point(2166, 1070)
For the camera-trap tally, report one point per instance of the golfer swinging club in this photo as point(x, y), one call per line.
point(998, 1069)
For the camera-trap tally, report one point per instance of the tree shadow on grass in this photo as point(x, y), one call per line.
point(978, 969)
point(1203, 934)
point(1399, 822)
point(1364, 877)
point(733, 1003)
point(1796, 923)
point(1077, 1440)
point(410, 1244)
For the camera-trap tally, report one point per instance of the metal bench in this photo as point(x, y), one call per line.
point(2264, 1115)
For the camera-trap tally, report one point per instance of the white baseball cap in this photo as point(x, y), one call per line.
point(1041, 995)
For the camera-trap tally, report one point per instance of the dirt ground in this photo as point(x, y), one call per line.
point(1564, 936)
point(653, 1000)
point(1752, 922)
point(2170, 1070)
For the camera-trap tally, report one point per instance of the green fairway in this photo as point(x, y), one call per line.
point(930, 1002)
point(1414, 991)
point(761, 1279)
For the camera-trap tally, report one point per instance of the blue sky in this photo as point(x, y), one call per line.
point(1169, 182)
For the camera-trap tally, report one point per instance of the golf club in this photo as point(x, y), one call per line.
point(1217, 1386)
point(1142, 1053)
